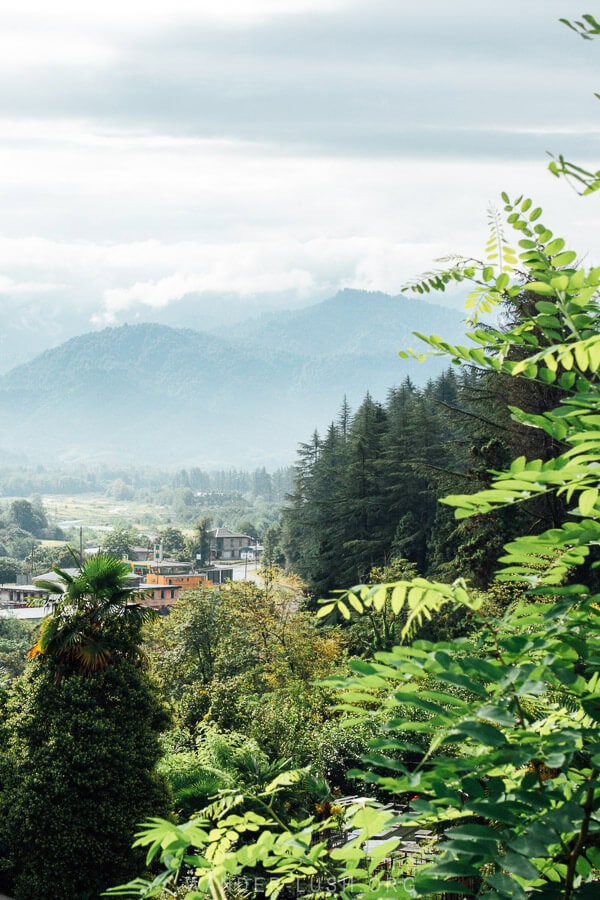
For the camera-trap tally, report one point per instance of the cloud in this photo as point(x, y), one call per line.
point(272, 151)
point(102, 201)
point(168, 290)
point(213, 218)
point(139, 15)
point(333, 78)
point(38, 51)
point(291, 271)
point(10, 286)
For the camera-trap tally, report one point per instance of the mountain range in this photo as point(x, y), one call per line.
point(239, 395)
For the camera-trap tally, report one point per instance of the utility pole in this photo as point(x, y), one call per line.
point(81, 546)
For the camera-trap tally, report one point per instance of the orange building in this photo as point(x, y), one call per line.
point(185, 581)
point(159, 595)
point(164, 581)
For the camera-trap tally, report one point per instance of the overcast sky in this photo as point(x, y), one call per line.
point(273, 150)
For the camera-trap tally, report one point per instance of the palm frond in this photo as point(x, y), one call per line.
point(68, 579)
point(53, 587)
point(76, 632)
point(93, 655)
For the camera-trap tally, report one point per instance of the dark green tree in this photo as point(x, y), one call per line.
point(81, 730)
point(361, 508)
point(15, 641)
point(367, 492)
point(272, 554)
point(245, 526)
point(261, 484)
point(119, 542)
point(173, 542)
point(16, 542)
point(313, 524)
point(197, 547)
point(28, 517)
point(8, 569)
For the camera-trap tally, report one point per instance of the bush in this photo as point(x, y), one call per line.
point(78, 776)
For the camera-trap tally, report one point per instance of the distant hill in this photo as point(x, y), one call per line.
point(350, 322)
point(243, 396)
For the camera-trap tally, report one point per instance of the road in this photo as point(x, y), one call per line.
point(243, 572)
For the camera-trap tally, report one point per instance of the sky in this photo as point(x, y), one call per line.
point(193, 162)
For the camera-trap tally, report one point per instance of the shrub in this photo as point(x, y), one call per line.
point(78, 775)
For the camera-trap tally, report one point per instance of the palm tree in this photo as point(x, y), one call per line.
point(92, 619)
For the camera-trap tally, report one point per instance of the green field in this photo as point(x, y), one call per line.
point(99, 512)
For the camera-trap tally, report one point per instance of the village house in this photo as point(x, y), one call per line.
point(226, 544)
point(159, 596)
point(162, 577)
point(208, 577)
point(19, 596)
point(161, 567)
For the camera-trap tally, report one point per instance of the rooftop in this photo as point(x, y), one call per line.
point(225, 532)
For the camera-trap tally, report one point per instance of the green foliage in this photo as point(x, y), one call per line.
point(173, 542)
point(487, 276)
point(583, 180)
point(418, 598)
point(368, 490)
point(363, 498)
point(15, 542)
point(496, 732)
point(119, 542)
point(8, 569)
point(380, 629)
point(246, 526)
point(45, 557)
point(120, 490)
point(587, 27)
point(244, 658)
point(231, 770)
point(28, 516)
point(197, 547)
point(15, 641)
point(273, 554)
point(269, 854)
point(217, 762)
point(77, 774)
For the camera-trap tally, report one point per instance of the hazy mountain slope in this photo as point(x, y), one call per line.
point(349, 345)
point(149, 393)
point(129, 355)
point(362, 322)
point(137, 393)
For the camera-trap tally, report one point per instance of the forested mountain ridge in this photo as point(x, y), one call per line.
point(154, 394)
point(362, 321)
point(128, 356)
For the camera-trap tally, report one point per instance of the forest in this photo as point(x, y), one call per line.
point(367, 492)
